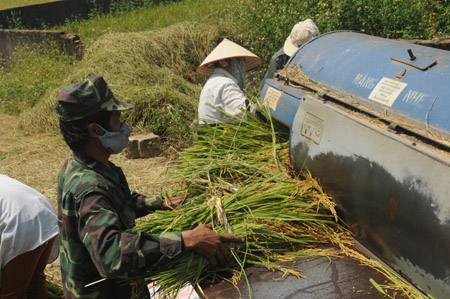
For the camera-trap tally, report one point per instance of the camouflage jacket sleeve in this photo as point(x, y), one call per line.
point(115, 252)
point(144, 205)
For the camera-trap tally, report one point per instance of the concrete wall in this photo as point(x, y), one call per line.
point(51, 13)
point(10, 40)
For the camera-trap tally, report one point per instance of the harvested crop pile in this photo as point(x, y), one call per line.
point(154, 70)
point(235, 179)
point(238, 177)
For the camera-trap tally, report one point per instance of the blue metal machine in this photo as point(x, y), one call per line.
point(369, 117)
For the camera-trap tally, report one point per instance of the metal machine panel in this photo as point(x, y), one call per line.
point(283, 103)
point(372, 124)
point(392, 77)
point(393, 193)
point(324, 278)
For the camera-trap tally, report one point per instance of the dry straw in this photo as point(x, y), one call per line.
point(154, 70)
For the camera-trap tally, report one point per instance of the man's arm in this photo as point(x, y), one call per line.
point(204, 241)
point(116, 253)
point(144, 205)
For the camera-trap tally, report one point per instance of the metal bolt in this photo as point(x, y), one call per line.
point(411, 55)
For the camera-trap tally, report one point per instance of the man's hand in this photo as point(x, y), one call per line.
point(204, 241)
point(174, 202)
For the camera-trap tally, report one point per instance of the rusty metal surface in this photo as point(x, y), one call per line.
point(342, 278)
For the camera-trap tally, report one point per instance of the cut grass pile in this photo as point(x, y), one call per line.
point(154, 70)
point(122, 19)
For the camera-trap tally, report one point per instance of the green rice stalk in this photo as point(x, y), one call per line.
point(239, 178)
point(235, 180)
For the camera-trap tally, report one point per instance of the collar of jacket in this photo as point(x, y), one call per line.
point(110, 171)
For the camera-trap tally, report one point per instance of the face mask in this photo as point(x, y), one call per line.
point(238, 71)
point(115, 142)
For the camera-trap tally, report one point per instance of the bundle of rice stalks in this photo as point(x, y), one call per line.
point(235, 179)
point(238, 177)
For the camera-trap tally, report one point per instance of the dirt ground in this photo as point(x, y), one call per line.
point(35, 160)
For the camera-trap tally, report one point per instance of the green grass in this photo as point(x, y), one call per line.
point(29, 77)
point(213, 12)
point(5, 4)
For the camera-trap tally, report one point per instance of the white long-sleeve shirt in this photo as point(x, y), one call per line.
point(27, 219)
point(220, 93)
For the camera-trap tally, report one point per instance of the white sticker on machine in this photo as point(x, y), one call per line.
point(387, 91)
point(272, 97)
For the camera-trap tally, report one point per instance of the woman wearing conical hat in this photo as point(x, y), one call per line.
point(222, 98)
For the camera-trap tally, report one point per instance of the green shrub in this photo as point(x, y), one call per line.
point(265, 24)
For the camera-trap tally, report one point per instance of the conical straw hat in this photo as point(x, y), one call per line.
point(228, 49)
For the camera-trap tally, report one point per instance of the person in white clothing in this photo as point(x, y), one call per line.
point(28, 240)
point(300, 34)
point(222, 98)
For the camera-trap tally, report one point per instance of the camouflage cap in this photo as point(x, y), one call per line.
point(88, 97)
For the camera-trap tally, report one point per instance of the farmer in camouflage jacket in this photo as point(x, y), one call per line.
point(96, 206)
